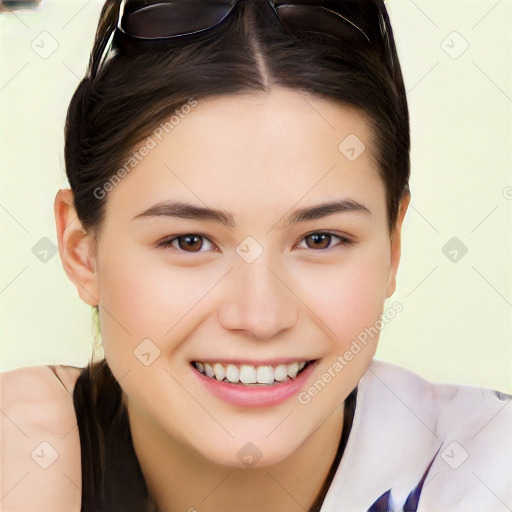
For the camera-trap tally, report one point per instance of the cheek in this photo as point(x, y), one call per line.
point(145, 298)
point(348, 297)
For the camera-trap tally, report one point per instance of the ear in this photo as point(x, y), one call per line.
point(75, 248)
point(396, 244)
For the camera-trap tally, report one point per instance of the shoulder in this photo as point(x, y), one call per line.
point(41, 467)
point(465, 430)
point(454, 408)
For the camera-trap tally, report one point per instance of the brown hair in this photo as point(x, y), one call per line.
point(135, 91)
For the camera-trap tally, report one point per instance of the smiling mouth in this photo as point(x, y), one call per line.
point(249, 375)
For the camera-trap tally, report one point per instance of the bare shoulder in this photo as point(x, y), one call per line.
point(40, 444)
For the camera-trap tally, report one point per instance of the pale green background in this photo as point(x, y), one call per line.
point(456, 321)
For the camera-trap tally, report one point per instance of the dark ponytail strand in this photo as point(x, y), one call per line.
point(112, 479)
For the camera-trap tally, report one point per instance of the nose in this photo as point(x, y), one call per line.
point(258, 301)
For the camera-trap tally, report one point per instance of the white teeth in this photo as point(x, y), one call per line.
point(219, 371)
point(280, 372)
point(232, 374)
point(208, 369)
point(248, 374)
point(265, 375)
point(292, 369)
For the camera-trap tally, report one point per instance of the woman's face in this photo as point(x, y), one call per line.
point(265, 289)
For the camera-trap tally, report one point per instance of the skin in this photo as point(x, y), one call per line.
point(259, 156)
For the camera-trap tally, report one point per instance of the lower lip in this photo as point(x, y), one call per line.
point(255, 396)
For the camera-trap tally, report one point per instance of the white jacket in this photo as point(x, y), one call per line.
point(401, 424)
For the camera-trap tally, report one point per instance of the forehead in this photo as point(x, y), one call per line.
point(281, 120)
point(255, 150)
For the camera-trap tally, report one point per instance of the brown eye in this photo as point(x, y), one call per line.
point(319, 240)
point(190, 242)
point(185, 243)
point(322, 241)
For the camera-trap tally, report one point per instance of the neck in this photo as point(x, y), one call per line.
point(180, 478)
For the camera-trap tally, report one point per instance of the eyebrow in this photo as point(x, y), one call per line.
point(184, 210)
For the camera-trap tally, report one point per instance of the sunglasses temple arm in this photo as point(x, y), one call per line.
point(106, 49)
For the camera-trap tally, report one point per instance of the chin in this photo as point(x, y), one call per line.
point(247, 454)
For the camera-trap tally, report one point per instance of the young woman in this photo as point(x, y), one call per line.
point(239, 178)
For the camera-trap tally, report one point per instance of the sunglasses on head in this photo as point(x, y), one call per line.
point(361, 24)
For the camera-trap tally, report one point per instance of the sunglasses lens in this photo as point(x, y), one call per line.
point(173, 18)
point(305, 18)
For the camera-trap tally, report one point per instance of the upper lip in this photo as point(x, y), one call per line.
point(261, 362)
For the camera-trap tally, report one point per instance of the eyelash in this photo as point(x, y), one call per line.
point(167, 244)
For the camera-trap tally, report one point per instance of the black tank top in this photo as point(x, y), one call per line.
point(112, 480)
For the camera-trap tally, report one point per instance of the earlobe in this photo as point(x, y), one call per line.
point(75, 248)
point(396, 244)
